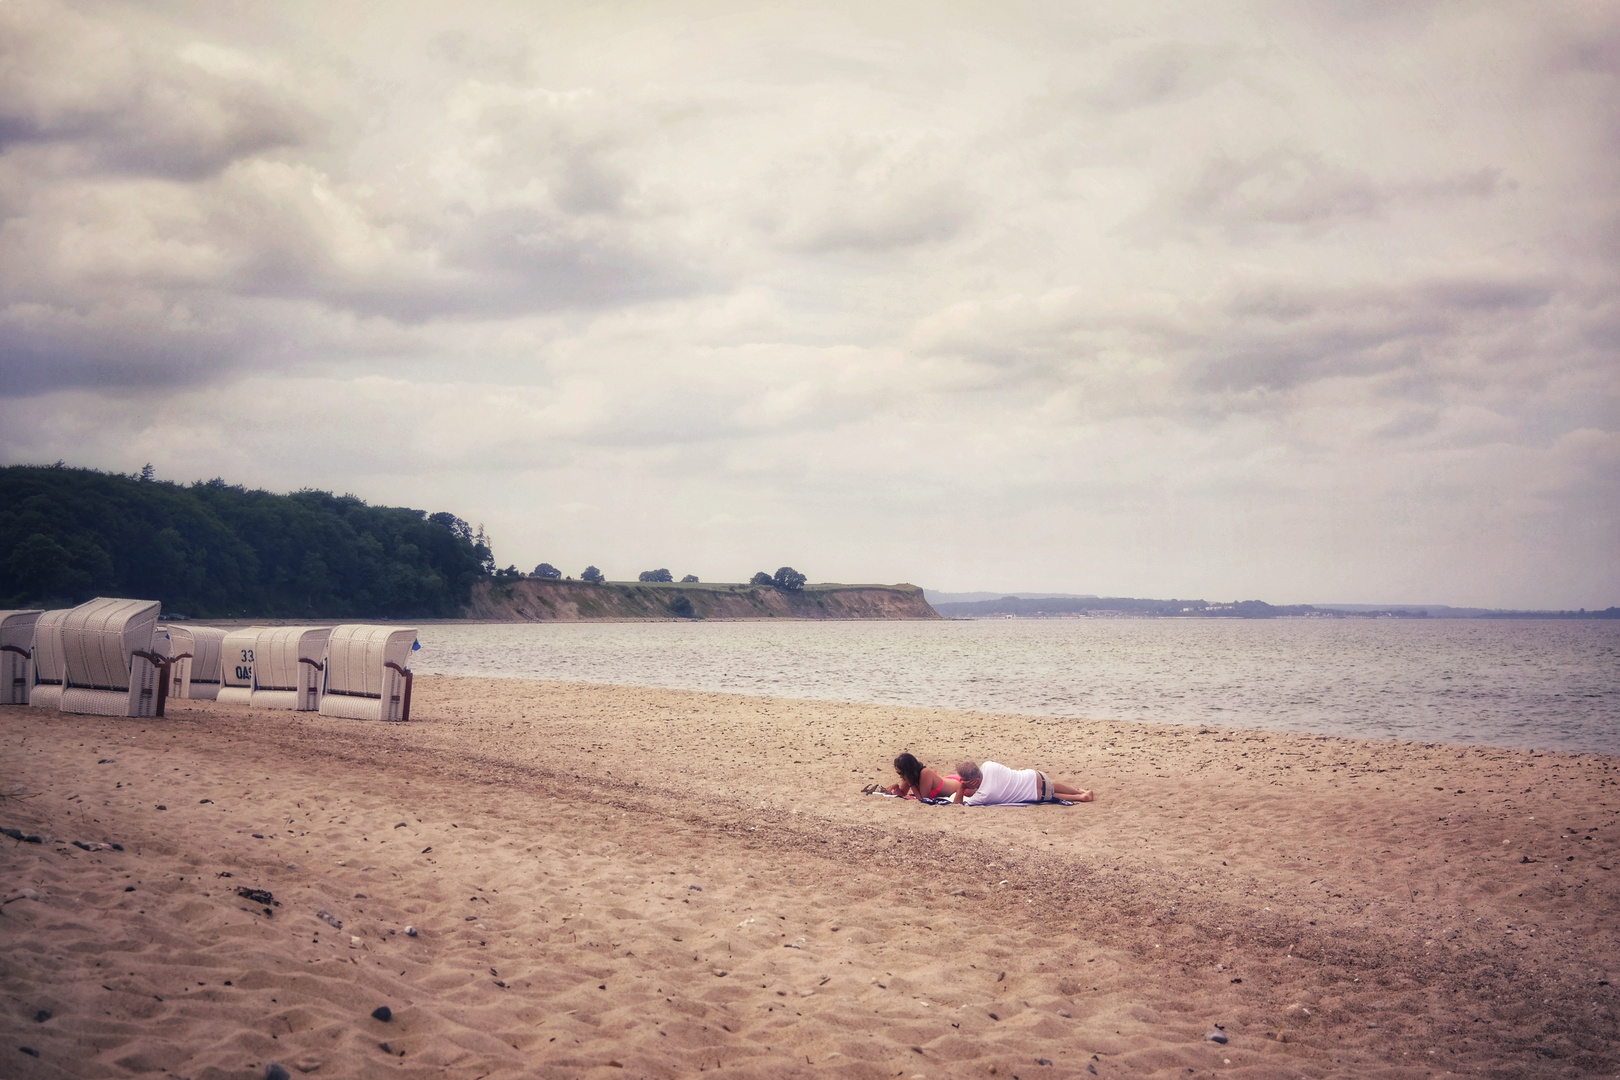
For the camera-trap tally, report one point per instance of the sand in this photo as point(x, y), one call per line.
point(623, 882)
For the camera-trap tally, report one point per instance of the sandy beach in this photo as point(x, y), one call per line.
point(624, 882)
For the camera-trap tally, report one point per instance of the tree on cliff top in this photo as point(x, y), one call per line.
point(657, 575)
point(591, 574)
point(788, 579)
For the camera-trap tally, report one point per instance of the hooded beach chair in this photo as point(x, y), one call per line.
point(366, 676)
point(287, 672)
point(17, 655)
point(110, 665)
point(49, 667)
point(194, 653)
point(236, 658)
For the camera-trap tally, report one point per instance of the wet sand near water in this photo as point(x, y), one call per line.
point(611, 881)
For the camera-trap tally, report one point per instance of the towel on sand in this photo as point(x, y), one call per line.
point(874, 790)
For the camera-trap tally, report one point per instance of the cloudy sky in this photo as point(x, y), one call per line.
point(1303, 302)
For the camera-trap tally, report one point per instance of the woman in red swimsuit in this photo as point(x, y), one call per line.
point(919, 780)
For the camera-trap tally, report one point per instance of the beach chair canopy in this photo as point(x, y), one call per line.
point(49, 665)
point(17, 655)
point(237, 652)
point(194, 661)
point(110, 668)
point(287, 671)
point(367, 672)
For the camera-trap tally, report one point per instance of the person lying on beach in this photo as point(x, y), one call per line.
point(992, 783)
point(917, 779)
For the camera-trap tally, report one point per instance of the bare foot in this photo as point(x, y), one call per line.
point(1085, 796)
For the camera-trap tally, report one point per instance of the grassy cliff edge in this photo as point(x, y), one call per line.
point(538, 600)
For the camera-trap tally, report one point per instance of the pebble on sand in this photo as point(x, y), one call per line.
point(383, 1013)
point(1216, 1036)
point(274, 1071)
point(410, 931)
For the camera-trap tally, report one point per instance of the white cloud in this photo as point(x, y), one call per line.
point(1277, 302)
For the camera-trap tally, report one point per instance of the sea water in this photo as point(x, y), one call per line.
point(1543, 684)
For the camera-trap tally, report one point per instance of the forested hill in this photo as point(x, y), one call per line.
point(216, 550)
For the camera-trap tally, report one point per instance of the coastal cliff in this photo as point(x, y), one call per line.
point(539, 600)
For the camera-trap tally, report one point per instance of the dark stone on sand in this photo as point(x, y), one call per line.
point(118, 847)
point(257, 896)
point(42, 1016)
point(1043, 1061)
point(1216, 1036)
point(162, 807)
point(129, 888)
point(274, 1071)
point(29, 1050)
point(201, 801)
point(695, 888)
point(383, 1013)
point(105, 761)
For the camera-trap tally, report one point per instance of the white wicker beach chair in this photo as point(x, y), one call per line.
point(17, 655)
point(49, 666)
point(236, 659)
point(287, 673)
point(366, 673)
point(110, 667)
point(194, 661)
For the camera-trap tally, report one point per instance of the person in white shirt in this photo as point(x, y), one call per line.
point(991, 783)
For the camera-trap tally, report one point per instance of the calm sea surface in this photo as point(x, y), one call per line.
point(1541, 684)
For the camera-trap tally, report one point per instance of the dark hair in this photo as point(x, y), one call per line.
point(910, 768)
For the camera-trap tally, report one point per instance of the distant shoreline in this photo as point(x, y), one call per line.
point(1076, 607)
